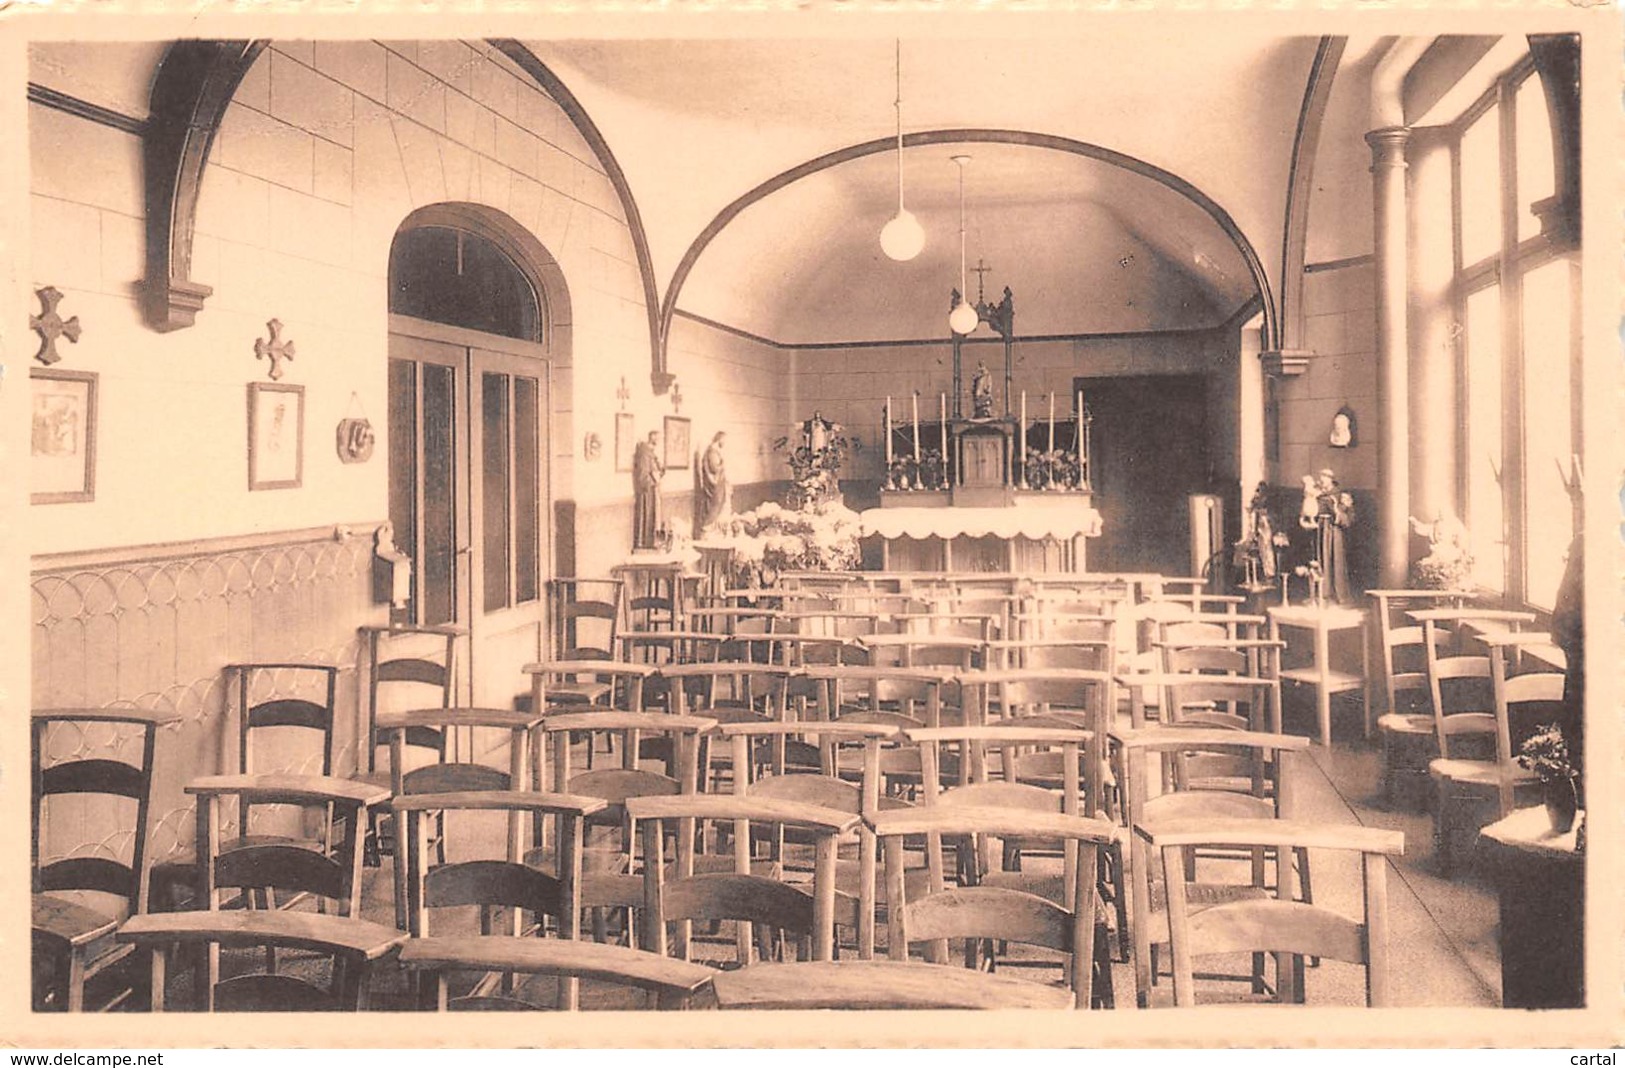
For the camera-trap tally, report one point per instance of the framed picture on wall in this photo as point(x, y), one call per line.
point(678, 448)
point(625, 440)
point(276, 436)
point(62, 452)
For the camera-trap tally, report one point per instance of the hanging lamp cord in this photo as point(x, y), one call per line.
point(898, 105)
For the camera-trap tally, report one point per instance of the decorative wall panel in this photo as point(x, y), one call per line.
point(154, 627)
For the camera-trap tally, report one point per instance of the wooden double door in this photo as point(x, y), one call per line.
point(469, 493)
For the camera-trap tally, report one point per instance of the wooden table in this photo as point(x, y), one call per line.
point(1540, 879)
point(879, 984)
point(1321, 622)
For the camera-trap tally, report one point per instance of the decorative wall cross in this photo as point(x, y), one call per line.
point(676, 397)
point(623, 393)
point(50, 326)
point(274, 348)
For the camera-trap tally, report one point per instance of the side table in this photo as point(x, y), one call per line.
point(1540, 879)
point(1321, 621)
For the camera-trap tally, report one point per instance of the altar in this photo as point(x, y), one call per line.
point(986, 489)
point(1036, 533)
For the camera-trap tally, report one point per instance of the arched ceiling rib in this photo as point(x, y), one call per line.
point(697, 123)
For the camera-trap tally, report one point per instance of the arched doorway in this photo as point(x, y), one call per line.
point(472, 345)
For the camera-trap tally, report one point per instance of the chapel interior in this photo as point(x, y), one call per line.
point(513, 526)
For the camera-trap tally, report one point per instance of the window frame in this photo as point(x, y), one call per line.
point(1506, 267)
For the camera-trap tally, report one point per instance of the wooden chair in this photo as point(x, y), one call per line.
point(727, 692)
point(1148, 911)
point(981, 912)
point(613, 684)
point(1465, 729)
point(246, 865)
point(672, 984)
point(500, 884)
point(80, 901)
point(739, 896)
point(586, 616)
point(1406, 731)
point(1290, 929)
point(453, 776)
point(854, 881)
point(1490, 777)
point(258, 721)
point(610, 880)
point(355, 945)
point(404, 669)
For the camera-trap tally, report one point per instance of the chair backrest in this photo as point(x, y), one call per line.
point(739, 895)
point(94, 775)
point(354, 943)
point(976, 912)
point(410, 679)
point(586, 616)
point(674, 983)
point(491, 883)
point(1460, 691)
point(333, 873)
point(305, 713)
point(1291, 928)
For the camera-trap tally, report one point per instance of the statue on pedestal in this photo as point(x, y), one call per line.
point(981, 392)
point(647, 471)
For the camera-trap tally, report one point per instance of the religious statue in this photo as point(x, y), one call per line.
point(1261, 535)
point(647, 471)
point(711, 499)
point(1329, 511)
point(981, 392)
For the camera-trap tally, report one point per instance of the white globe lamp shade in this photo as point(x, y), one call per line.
point(902, 238)
point(963, 319)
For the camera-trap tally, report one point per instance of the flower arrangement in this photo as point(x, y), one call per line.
point(772, 538)
point(930, 473)
point(1546, 753)
point(1449, 563)
point(1054, 469)
point(815, 451)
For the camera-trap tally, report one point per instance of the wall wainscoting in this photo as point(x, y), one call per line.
point(153, 627)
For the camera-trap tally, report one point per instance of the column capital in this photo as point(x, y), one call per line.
point(1388, 145)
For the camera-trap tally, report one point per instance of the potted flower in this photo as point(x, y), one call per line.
point(1547, 755)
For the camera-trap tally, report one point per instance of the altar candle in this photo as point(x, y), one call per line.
point(1052, 420)
point(915, 402)
point(944, 411)
point(1024, 430)
point(888, 433)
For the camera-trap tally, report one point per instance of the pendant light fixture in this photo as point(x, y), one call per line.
point(964, 318)
point(902, 238)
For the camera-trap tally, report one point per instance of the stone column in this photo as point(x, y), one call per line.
point(1393, 363)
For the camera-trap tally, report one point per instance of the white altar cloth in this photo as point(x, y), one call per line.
point(1060, 518)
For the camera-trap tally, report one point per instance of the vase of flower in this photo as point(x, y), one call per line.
point(1562, 803)
point(1547, 755)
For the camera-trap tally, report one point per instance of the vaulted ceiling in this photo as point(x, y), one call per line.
point(1087, 245)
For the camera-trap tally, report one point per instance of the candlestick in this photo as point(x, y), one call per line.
point(888, 436)
point(944, 407)
point(1077, 437)
point(1052, 420)
point(915, 402)
point(1024, 430)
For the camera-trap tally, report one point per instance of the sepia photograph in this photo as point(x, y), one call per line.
point(1133, 563)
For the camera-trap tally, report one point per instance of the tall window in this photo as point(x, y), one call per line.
point(1519, 328)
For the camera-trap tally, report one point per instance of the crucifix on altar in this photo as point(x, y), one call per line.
point(1002, 318)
